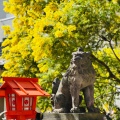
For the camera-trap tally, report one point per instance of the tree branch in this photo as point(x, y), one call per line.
point(109, 41)
point(111, 75)
point(113, 51)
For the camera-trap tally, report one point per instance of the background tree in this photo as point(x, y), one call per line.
point(46, 32)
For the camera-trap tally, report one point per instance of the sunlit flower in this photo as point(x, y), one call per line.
point(58, 34)
point(6, 29)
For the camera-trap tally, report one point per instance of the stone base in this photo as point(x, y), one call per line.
point(73, 116)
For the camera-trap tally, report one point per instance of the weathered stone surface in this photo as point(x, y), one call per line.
point(73, 116)
point(80, 76)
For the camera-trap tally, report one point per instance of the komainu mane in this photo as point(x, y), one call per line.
point(80, 76)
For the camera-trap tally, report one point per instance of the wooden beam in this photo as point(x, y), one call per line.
point(21, 88)
point(42, 91)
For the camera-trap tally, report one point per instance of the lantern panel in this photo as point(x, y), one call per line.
point(27, 103)
point(12, 102)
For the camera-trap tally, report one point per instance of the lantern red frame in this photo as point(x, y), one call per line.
point(21, 95)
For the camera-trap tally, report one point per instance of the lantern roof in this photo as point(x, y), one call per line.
point(2, 93)
point(23, 86)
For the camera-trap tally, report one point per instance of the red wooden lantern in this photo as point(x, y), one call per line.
point(21, 94)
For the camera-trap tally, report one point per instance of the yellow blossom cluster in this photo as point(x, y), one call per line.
point(6, 30)
point(40, 26)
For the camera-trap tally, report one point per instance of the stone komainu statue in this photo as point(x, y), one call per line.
point(80, 76)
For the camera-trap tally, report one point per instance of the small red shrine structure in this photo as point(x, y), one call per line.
point(21, 95)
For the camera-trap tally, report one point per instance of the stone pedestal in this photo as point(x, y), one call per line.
point(73, 116)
